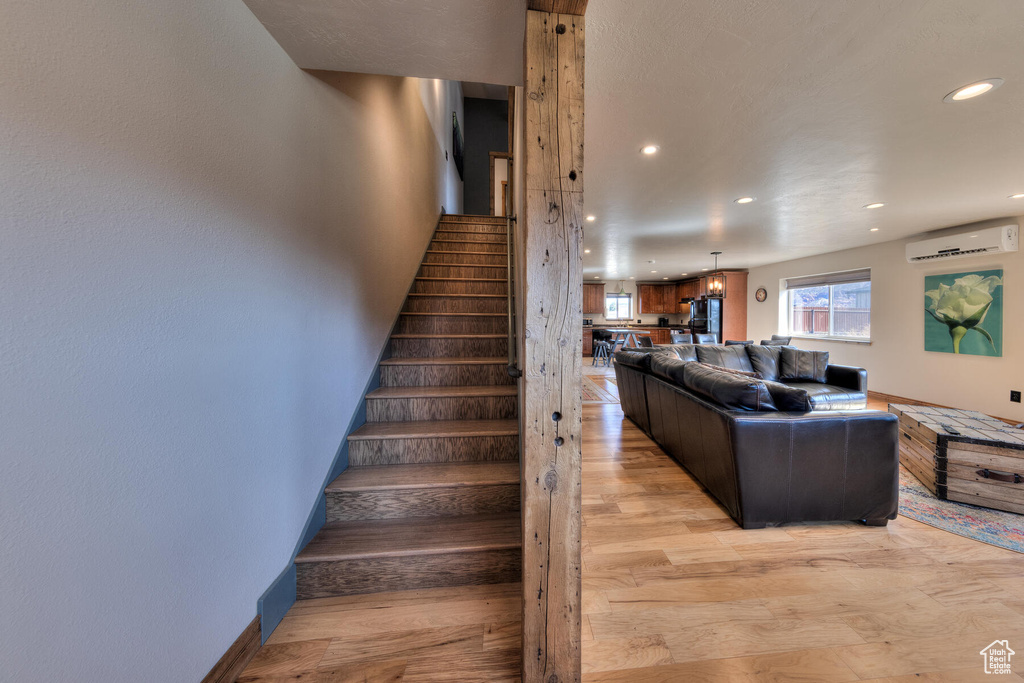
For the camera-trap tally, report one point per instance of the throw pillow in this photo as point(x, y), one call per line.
point(789, 399)
point(799, 365)
point(730, 391)
point(765, 360)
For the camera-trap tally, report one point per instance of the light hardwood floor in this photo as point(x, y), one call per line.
point(674, 591)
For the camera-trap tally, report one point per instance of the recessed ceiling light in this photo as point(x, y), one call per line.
point(973, 90)
point(664, 278)
point(596, 277)
point(1019, 195)
point(876, 205)
point(631, 277)
point(591, 218)
point(685, 273)
point(586, 251)
point(874, 229)
point(703, 268)
point(654, 271)
point(649, 149)
point(744, 200)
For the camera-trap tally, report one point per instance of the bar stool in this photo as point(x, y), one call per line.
point(601, 353)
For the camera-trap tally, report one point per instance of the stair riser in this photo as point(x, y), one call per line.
point(443, 375)
point(445, 245)
point(495, 228)
point(443, 324)
point(377, 575)
point(464, 259)
point(475, 237)
point(448, 348)
point(449, 501)
point(463, 408)
point(472, 218)
point(431, 304)
point(463, 287)
point(448, 449)
point(491, 272)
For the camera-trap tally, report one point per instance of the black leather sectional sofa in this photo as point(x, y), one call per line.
point(790, 441)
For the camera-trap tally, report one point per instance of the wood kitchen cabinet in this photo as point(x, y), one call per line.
point(656, 298)
point(693, 288)
point(588, 341)
point(593, 298)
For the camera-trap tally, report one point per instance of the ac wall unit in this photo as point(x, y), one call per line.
point(975, 243)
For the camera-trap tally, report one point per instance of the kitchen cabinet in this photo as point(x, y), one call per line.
point(656, 299)
point(693, 288)
point(588, 341)
point(661, 335)
point(593, 298)
point(734, 308)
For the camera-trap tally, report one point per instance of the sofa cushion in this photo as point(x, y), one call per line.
point(685, 352)
point(640, 360)
point(789, 398)
point(667, 367)
point(829, 397)
point(733, 392)
point(732, 357)
point(743, 373)
point(797, 365)
point(765, 360)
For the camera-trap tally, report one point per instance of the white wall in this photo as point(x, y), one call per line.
point(896, 360)
point(202, 250)
point(440, 99)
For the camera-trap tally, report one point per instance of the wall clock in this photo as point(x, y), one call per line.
point(761, 294)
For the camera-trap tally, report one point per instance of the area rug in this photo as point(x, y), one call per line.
point(592, 393)
point(1003, 529)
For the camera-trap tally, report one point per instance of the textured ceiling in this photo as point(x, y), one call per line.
point(814, 107)
point(457, 40)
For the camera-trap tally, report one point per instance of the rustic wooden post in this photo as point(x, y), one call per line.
point(551, 272)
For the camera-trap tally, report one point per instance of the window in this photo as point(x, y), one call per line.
point(833, 305)
point(618, 307)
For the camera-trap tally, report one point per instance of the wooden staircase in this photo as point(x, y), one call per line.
point(431, 494)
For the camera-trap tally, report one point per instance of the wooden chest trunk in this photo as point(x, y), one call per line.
point(963, 455)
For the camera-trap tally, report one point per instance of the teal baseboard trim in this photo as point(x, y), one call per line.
point(276, 601)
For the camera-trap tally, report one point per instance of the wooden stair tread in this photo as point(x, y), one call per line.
point(464, 253)
point(460, 296)
point(339, 541)
point(434, 429)
point(444, 392)
point(461, 315)
point(430, 475)
point(458, 360)
point(465, 279)
point(441, 239)
point(417, 335)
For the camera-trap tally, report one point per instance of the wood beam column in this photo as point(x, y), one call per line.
point(551, 349)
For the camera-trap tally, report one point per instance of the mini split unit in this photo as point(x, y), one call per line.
point(975, 243)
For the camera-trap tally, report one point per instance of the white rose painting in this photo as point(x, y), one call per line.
point(964, 313)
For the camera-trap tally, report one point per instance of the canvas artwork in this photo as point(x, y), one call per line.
point(964, 313)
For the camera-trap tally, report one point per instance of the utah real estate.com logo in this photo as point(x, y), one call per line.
point(997, 657)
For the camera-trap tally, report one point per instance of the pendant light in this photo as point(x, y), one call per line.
point(622, 289)
point(716, 281)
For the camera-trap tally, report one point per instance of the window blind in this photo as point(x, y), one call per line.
point(842, 278)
